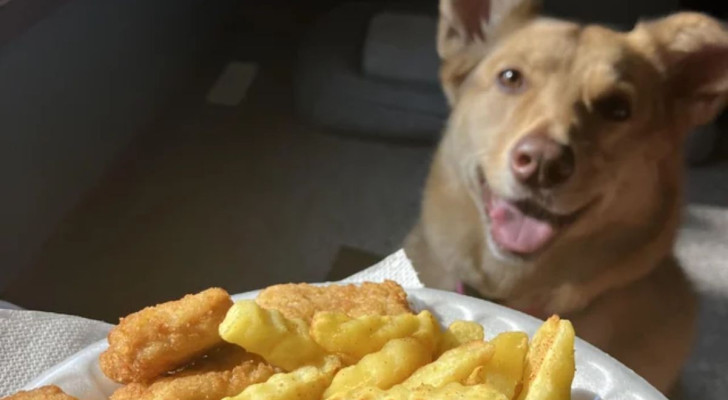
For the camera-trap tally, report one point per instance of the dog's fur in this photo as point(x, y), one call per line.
point(611, 271)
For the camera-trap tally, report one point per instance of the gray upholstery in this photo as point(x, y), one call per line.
point(332, 91)
point(402, 47)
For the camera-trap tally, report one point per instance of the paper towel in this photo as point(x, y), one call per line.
point(32, 341)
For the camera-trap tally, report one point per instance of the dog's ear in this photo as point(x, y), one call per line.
point(465, 29)
point(691, 49)
point(465, 24)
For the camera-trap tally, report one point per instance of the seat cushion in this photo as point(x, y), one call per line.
point(332, 90)
point(401, 46)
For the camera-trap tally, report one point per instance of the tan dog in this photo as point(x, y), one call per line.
point(557, 186)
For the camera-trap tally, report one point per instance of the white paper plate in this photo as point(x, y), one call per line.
point(597, 374)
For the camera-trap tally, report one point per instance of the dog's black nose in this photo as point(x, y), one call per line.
point(541, 162)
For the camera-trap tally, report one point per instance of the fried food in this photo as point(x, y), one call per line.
point(454, 365)
point(459, 333)
point(281, 341)
point(204, 348)
point(303, 300)
point(504, 370)
point(162, 338)
point(477, 377)
point(391, 365)
point(450, 391)
point(353, 338)
point(550, 364)
point(305, 383)
point(42, 393)
point(226, 371)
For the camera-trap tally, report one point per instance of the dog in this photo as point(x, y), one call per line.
point(557, 185)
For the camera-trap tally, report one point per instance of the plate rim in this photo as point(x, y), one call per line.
point(529, 324)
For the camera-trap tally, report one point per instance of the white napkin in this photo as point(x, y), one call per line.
point(32, 342)
point(396, 267)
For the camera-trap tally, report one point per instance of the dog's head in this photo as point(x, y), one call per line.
point(555, 123)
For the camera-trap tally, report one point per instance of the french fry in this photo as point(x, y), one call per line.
point(305, 383)
point(550, 366)
point(353, 338)
point(389, 355)
point(454, 365)
point(391, 365)
point(459, 333)
point(282, 342)
point(477, 377)
point(505, 370)
point(451, 391)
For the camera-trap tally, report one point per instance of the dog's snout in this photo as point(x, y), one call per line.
point(540, 162)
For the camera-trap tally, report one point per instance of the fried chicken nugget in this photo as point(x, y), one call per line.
point(42, 393)
point(303, 300)
point(162, 338)
point(225, 372)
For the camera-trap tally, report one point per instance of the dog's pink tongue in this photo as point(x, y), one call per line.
point(515, 231)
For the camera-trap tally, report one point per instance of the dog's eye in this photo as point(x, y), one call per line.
point(510, 80)
point(615, 107)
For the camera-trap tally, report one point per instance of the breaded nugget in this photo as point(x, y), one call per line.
point(162, 338)
point(303, 300)
point(225, 372)
point(42, 393)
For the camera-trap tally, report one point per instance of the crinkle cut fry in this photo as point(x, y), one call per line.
point(42, 393)
point(159, 339)
point(225, 372)
point(303, 300)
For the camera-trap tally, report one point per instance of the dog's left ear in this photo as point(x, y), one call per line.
point(692, 51)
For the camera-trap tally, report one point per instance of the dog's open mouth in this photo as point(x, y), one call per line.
point(523, 227)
